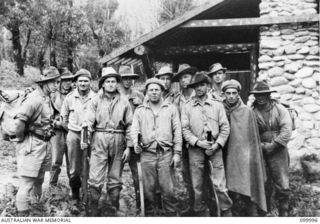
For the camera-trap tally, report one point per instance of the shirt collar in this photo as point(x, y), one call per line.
point(197, 101)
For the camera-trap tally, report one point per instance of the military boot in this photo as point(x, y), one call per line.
point(24, 213)
point(283, 208)
point(54, 175)
point(252, 209)
point(75, 184)
point(94, 202)
point(226, 213)
point(114, 196)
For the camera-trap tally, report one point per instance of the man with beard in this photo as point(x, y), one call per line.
point(72, 112)
point(109, 117)
point(184, 77)
point(275, 127)
point(245, 170)
point(165, 74)
point(218, 74)
point(159, 125)
point(34, 127)
point(205, 117)
point(135, 98)
point(59, 144)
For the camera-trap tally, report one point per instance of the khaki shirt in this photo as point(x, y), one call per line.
point(74, 108)
point(181, 101)
point(133, 95)
point(170, 97)
point(274, 124)
point(36, 110)
point(197, 118)
point(218, 95)
point(163, 128)
point(114, 114)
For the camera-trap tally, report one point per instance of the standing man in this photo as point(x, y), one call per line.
point(218, 74)
point(245, 170)
point(34, 126)
point(72, 112)
point(135, 98)
point(275, 127)
point(165, 74)
point(184, 77)
point(159, 125)
point(109, 117)
point(59, 143)
point(201, 117)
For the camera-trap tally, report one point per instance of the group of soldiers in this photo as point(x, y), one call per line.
point(229, 152)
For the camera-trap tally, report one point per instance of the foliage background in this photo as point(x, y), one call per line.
point(76, 33)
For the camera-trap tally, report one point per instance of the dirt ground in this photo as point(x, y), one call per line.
point(305, 198)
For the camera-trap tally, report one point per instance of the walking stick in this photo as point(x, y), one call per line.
point(85, 174)
point(209, 139)
point(141, 191)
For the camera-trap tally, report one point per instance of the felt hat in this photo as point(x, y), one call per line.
point(165, 70)
point(215, 67)
point(126, 72)
point(200, 77)
point(261, 87)
point(184, 69)
point(154, 81)
point(49, 74)
point(108, 72)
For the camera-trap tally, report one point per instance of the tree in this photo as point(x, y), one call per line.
point(105, 29)
point(171, 9)
point(16, 16)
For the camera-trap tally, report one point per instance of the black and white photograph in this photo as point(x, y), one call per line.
point(161, 109)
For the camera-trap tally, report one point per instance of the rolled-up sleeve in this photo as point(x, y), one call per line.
point(186, 130)
point(177, 131)
point(65, 112)
point(135, 127)
point(224, 127)
point(285, 124)
point(27, 109)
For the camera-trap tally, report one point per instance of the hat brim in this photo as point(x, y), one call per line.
point(159, 75)
point(115, 75)
point(262, 91)
point(190, 70)
point(211, 72)
point(192, 85)
point(161, 86)
point(130, 75)
point(67, 77)
point(48, 79)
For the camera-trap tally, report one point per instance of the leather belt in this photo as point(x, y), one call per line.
point(41, 137)
point(109, 130)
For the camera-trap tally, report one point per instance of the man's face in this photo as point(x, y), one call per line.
point(185, 80)
point(262, 98)
point(127, 82)
point(232, 95)
point(154, 93)
point(218, 77)
point(52, 85)
point(83, 83)
point(66, 83)
point(201, 89)
point(110, 85)
point(167, 81)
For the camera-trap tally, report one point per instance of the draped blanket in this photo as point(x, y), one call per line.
point(245, 170)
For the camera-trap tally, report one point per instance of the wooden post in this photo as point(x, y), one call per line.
point(253, 64)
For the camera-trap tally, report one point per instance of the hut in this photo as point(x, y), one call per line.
point(276, 40)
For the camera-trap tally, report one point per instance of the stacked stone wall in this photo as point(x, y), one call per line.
point(289, 60)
